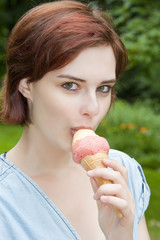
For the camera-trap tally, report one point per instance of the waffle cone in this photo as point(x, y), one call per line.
point(95, 161)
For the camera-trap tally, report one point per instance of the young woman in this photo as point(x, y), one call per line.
point(63, 60)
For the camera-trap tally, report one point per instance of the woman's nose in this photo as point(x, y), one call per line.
point(89, 107)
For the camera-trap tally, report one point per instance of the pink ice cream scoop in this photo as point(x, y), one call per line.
point(89, 145)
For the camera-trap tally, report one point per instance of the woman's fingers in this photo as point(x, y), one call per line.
point(126, 207)
point(94, 185)
point(114, 201)
point(107, 174)
point(117, 193)
point(116, 166)
point(108, 190)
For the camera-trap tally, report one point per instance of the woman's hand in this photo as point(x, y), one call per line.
point(115, 195)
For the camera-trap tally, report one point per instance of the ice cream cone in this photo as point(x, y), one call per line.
point(95, 161)
point(89, 150)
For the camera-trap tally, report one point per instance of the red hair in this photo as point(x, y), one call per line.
point(46, 38)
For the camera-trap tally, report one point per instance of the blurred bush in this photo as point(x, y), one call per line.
point(138, 23)
point(10, 12)
point(133, 129)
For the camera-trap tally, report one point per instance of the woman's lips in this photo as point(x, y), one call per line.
point(73, 130)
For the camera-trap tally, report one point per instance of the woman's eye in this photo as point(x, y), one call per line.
point(104, 89)
point(71, 86)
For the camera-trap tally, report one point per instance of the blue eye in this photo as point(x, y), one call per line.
point(104, 89)
point(71, 86)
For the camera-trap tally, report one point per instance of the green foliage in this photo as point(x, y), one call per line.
point(10, 12)
point(133, 129)
point(138, 25)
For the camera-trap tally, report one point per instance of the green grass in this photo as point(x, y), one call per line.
point(9, 135)
point(153, 213)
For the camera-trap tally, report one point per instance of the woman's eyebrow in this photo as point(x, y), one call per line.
point(82, 80)
point(71, 77)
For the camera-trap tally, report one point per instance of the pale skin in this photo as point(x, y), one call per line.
point(76, 96)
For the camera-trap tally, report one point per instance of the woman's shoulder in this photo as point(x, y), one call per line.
point(136, 181)
point(135, 171)
point(130, 163)
point(122, 157)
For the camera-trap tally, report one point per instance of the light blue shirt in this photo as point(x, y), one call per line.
point(27, 213)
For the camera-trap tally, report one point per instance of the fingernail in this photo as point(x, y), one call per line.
point(95, 197)
point(105, 160)
point(104, 199)
point(90, 173)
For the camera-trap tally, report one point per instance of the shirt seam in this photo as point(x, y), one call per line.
point(5, 174)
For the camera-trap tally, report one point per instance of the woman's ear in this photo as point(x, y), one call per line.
point(25, 88)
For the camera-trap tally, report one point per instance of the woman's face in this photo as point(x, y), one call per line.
point(73, 97)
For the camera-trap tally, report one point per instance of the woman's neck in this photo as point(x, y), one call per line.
point(34, 155)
